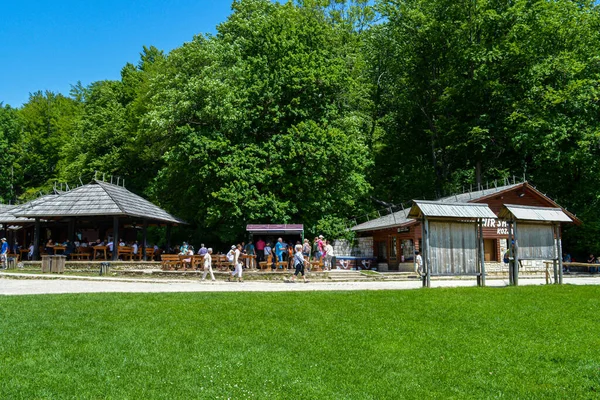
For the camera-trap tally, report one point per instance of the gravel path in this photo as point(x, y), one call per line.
point(12, 286)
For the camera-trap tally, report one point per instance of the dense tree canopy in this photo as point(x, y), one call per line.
point(307, 111)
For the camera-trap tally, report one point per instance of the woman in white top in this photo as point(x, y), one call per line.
point(237, 263)
point(208, 265)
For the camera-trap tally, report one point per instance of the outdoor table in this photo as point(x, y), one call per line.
point(100, 249)
point(58, 248)
point(250, 260)
point(23, 253)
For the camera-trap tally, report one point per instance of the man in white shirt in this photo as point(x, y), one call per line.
point(208, 264)
point(328, 255)
point(418, 264)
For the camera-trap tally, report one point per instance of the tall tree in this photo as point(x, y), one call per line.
point(262, 122)
point(48, 121)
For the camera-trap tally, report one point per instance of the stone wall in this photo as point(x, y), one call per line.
point(362, 247)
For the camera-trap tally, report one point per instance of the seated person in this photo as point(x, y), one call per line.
point(69, 248)
point(49, 248)
point(30, 252)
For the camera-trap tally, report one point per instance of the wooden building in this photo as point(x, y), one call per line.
point(396, 236)
point(100, 207)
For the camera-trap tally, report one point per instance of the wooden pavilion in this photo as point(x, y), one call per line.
point(453, 238)
point(536, 233)
point(99, 205)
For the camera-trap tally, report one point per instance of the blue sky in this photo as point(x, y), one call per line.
point(50, 45)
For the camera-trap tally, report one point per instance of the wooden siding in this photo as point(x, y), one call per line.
point(453, 248)
point(536, 242)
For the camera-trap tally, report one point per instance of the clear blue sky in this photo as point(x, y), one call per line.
point(50, 45)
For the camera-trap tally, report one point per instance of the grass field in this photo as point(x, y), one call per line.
point(526, 342)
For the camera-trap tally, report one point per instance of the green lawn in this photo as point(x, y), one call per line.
point(526, 342)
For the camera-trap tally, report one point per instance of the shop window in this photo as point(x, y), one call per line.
point(393, 248)
point(408, 250)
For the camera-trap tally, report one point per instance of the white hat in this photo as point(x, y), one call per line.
point(233, 247)
point(320, 236)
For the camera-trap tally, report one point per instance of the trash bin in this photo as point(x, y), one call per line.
point(45, 263)
point(11, 263)
point(57, 264)
point(104, 268)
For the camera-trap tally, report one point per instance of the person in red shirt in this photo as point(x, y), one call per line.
point(260, 249)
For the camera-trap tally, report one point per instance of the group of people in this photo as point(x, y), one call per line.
point(320, 250)
point(296, 255)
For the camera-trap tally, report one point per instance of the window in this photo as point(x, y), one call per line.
point(408, 249)
point(393, 248)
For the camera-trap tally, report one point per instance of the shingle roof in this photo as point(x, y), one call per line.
point(7, 216)
point(528, 213)
point(453, 210)
point(95, 199)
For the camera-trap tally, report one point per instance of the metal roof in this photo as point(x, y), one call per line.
point(478, 194)
point(528, 213)
point(436, 209)
point(276, 229)
point(95, 199)
point(400, 218)
point(393, 219)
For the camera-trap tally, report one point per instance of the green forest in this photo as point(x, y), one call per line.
point(321, 111)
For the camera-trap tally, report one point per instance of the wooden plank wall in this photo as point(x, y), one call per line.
point(453, 248)
point(536, 241)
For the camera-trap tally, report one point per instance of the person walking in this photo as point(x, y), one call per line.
point(418, 264)
point(298, 264)
point(208, 265)
point(4, 253)
point(237, 263)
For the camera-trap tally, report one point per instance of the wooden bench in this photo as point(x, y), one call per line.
point(316, 265)
point(266, 265)
point(282, 264)
point(170, 261)
point(82, 253)
point(149, 254)
point(125, 252)
point(222, 262)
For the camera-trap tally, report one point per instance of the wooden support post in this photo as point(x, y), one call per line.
point(555, 254)
point(36, 240)
point(169, 237)
point(426, 260)
point(144, 232)
point(115, 252)
point(516, 256)
point(481, 252)
point(560, 260)
point(71, 230)
point(510, 254)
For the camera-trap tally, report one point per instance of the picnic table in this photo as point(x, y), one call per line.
point(100, 250)
point(23, 253)
point(60, 248)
